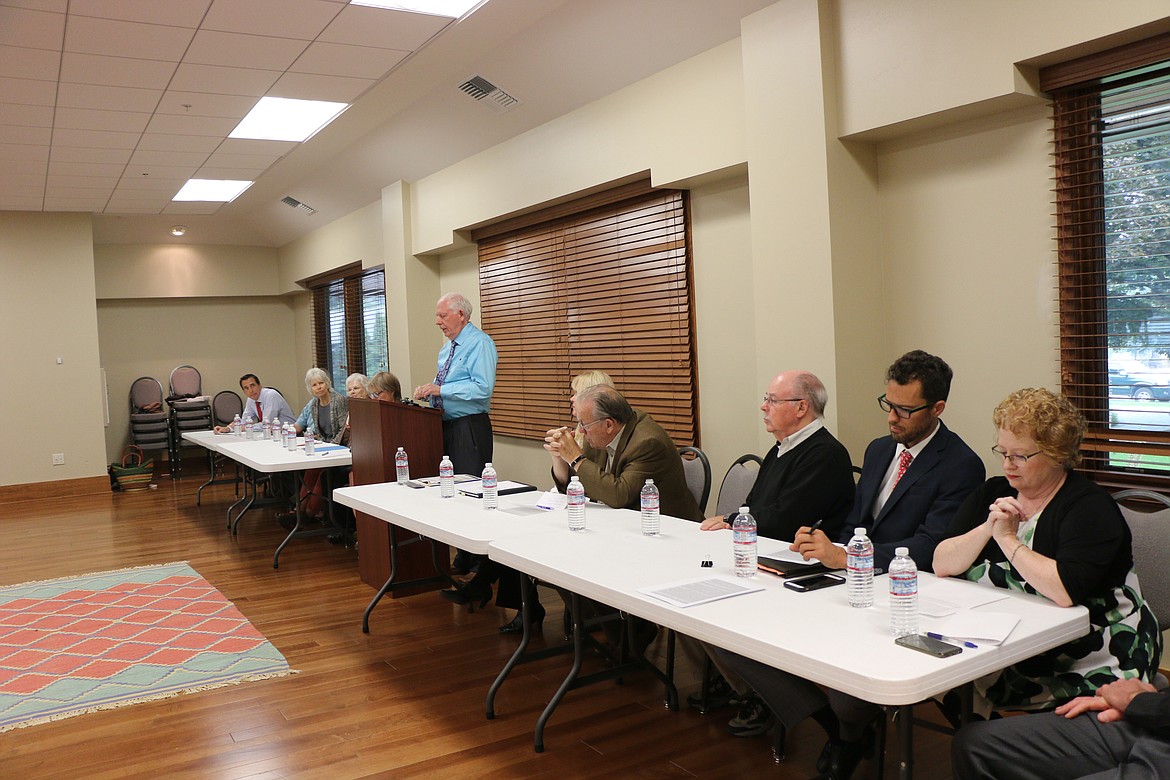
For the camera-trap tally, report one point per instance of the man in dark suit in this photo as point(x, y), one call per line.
point(911, 483)
point(623, 448)
point(806, 478)
point(1129, 736)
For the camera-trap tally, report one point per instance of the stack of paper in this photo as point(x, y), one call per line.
point(990, 628)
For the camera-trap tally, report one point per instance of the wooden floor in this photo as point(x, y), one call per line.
point(404, 701)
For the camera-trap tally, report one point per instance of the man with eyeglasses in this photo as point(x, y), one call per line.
point(806, 478)
point(912, 482)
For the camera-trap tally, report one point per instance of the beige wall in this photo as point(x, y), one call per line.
point(222, 337)
point(174, 271)
point(48, 315)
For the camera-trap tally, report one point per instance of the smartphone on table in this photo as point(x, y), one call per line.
point(928, 645)
point(815, 582)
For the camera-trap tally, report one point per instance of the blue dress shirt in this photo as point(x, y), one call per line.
point(471, 378)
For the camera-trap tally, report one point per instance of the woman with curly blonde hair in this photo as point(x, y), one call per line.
point(1043, 529)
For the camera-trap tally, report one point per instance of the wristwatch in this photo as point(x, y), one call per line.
point(577, 460)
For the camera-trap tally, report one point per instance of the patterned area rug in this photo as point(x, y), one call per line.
point(105, 640)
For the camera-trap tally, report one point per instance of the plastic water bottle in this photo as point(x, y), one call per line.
point(446, 478)
point(290, 439)
point(310, 443)
point(491, 495)
point(257, 431)
point(650, 520)
point(859, 562)
point(237, 426)
point(903, 593)
point(267, 429)
point(401, 466)
point(743, 542)
point(576, 493)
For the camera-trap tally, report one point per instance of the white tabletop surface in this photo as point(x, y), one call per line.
point(268, 456)
point(460, 521)
point(815, 635)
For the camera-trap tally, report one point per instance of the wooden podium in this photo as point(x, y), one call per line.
point(377, 430)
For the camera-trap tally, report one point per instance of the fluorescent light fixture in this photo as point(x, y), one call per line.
point(286, 119)
point(214, 190)
point(452, 8)
point(179, 230)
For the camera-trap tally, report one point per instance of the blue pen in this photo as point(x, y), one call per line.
point(942, 638)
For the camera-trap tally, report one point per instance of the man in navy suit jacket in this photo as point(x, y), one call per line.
point(901, 501)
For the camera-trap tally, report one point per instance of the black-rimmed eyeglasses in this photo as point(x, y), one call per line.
point(1014, 459)
point(770, 401)
point(904, 412)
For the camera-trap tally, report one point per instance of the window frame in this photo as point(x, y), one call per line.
point(350, 282)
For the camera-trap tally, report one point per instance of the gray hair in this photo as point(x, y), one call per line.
point(810, 388)
point(607, 402)
point(457, 301)
point(589, 379)
point(317, 373)
point(360, 377)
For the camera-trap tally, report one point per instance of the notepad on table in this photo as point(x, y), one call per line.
point(990, 628)
point(689, 593)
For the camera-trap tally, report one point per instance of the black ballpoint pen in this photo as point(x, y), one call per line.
point(815, 526)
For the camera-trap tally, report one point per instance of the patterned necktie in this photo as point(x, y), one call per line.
point(437, 399)
point(903, 463)
point(259, 412)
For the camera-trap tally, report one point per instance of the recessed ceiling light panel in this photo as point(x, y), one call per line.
point(179, 230)
point(286, 119)
point(455, 9)
point(212, 190)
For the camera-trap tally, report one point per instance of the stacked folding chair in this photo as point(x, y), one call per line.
point(190, 410)
point(150, 427)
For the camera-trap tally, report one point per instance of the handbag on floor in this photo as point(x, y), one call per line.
point(134, 472)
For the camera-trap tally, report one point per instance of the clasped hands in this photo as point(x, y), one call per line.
point(1109, 702)
point(424, 392)
point(1003, 519)
point(561, 443)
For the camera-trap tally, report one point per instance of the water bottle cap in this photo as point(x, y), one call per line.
point(904, 551)
point(859, 531)
point(487, 465)
point(649, 482)
point(574, 479)
point(743, 510)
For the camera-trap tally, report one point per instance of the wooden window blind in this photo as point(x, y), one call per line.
point(1111, 120)
point(607, 287)
point(349, 322)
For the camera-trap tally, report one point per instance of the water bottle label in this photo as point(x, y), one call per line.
point(903, 584)
point(489, 482)
point(860, 563)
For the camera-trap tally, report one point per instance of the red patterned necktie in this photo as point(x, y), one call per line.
point(903, 463)
point(259, 413)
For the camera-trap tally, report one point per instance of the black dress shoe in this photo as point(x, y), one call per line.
point(470, 593)
point(516, 624)
point(845, 756)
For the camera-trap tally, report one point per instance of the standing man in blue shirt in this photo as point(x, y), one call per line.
point(463, 386)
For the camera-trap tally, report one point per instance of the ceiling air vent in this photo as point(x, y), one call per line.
point(296, 204)
point(488, 94)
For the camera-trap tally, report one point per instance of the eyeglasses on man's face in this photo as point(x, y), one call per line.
point(905, 412)
point(585, 426)
point(770, 401)
point(1015, 460)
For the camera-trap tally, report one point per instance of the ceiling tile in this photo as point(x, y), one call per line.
point(75, 204)
point(33, 136)
point(31, 29)
point(26, 167)
point(18, 203)
point(223, 81)
point(179, 13)
point(95, 139)
point(307, 86)
point(379, 27)
point(63, 168)
point(98, 97)
point(238, 50)
point(115, 71)
point(142, 157)
point(56, 6)
point(78, 154)
point(255, 146)
point(168, 172)
point(132, 207)
point(88, 118)
point(88, 35)
point(150, 186)
point(334, 59)
point(83, 181)
point(23, 152)
point(21, 63)
point(303, 19)
point(229, 174)
point(27, 116)
point(162, 142)
point(206, 104)
point(60, 191)
point(192, 125)
point(25, 183)
point(192, 207)
point(221, 160)
point(32, 92)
